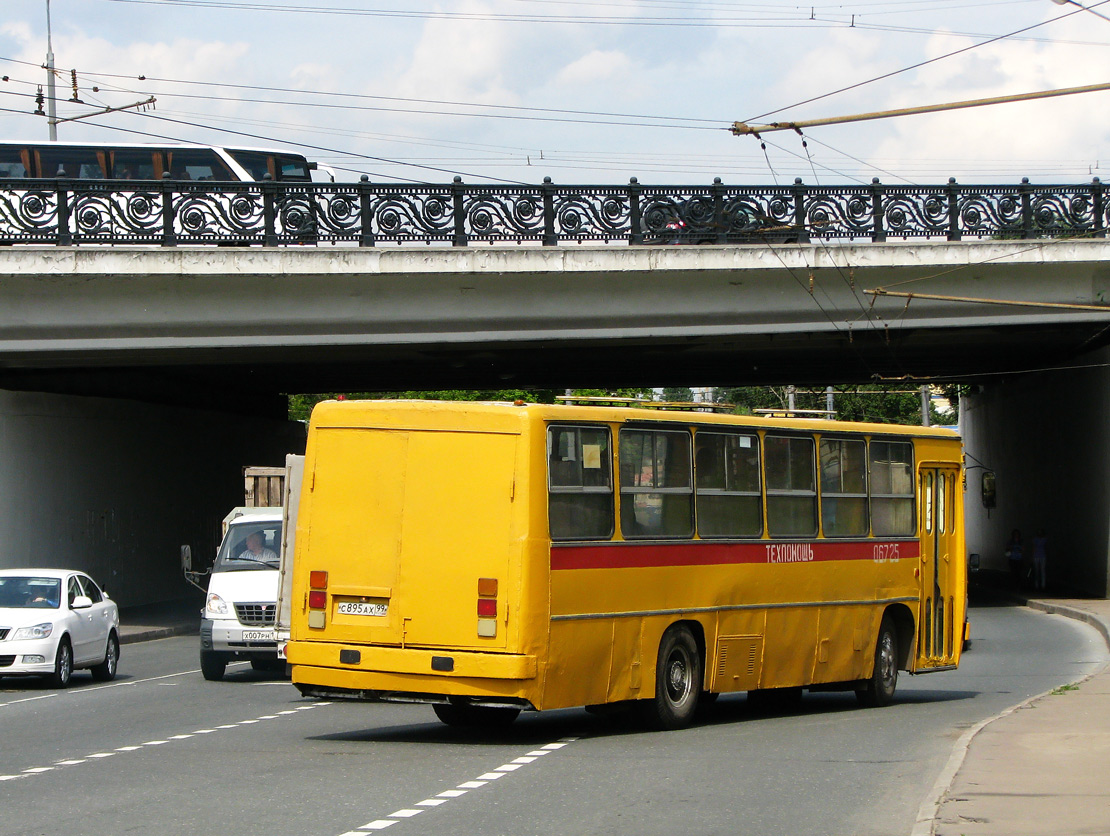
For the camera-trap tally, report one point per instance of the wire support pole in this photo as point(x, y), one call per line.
point(51, 93)
point(971, 300)
point(743, 129)
point(141, 105)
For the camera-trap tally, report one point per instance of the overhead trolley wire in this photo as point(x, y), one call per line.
point(922, 63)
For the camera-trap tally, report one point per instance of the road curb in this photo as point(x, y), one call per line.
point(930, 807)
point(1073, 612)
point(149, 634)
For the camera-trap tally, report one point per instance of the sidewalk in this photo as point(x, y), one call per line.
point(159, 621)
point(1042, 768)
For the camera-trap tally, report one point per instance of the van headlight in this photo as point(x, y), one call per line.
point(37, 631)
point(215, 605)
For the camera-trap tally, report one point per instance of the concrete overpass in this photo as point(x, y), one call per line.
point(201, 322)
point(136, 380)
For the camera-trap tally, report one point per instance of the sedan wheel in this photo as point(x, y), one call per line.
point(106, 670)
point(63, 664)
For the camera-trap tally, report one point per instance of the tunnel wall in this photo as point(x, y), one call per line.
point(1047, 438)
point(115, 487)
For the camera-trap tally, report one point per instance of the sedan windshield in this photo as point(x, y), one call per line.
point(30, 593)
point(253, 545)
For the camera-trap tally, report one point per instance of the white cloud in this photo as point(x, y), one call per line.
point(596, 67)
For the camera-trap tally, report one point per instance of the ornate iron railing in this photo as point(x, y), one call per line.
point(73, 212)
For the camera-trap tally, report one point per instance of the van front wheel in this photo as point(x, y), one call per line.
point(678, 680)
point(212, 666)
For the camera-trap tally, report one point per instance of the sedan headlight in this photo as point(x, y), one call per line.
point(215, 605)
point(38, 631)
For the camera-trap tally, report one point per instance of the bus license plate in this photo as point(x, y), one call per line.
point(257, 636)
point(363, 608)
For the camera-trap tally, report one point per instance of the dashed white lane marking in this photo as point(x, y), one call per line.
point(98, 756)
point(92, 689)
point(460, 790)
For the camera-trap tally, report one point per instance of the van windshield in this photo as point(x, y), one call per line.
point(249, 545)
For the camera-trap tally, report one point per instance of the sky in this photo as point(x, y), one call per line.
point(581, 91)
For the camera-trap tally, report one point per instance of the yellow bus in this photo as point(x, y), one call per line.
point(493, 558)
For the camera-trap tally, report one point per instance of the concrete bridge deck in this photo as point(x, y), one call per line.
point(318, 318)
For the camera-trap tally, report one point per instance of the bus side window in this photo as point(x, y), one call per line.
point(892, 496)
point(257, 164)
point(77, 163)
point(14, 163)
point(133, 165)
point(791, 486)
point(580, 483)
point(656, 485)
point(197, 164)
point(727, 499)
point(844, 487)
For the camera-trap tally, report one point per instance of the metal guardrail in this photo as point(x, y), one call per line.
point(67, 212)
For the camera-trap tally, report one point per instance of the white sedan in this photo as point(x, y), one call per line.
point(53, 621)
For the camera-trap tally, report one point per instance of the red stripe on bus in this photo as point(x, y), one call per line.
point(628, 556)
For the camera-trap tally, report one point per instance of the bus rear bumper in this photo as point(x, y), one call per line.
point(410, 675)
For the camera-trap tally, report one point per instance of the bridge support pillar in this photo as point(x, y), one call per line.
point(1046, 436)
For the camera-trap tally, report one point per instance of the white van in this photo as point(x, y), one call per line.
point(237, 621)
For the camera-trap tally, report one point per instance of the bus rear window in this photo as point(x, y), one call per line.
point(292, 168)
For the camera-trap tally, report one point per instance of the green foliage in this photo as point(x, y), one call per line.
point(300, 406)
point(678, 395)
point(897, 404)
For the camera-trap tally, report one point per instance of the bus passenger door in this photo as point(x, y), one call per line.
point(938, 633)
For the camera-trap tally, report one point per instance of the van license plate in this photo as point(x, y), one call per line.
point(363, 608)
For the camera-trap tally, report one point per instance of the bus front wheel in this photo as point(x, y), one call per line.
point(678, 680)
point(879, 689)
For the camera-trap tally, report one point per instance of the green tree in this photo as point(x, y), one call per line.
point(875, 403)
point(678, 395)
point(300, 406)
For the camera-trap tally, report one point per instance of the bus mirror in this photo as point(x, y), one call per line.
point(973, 562)
point(988, 489)
point(186, 559)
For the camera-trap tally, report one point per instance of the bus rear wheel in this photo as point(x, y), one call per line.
point(465, 715)
point(678, 681)
point(879, 689)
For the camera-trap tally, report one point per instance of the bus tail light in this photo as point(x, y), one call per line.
point(487, 607)
point(317, 598)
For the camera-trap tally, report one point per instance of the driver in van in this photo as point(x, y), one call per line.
point(256, 549)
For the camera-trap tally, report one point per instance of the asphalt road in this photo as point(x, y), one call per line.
point(161, 750)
